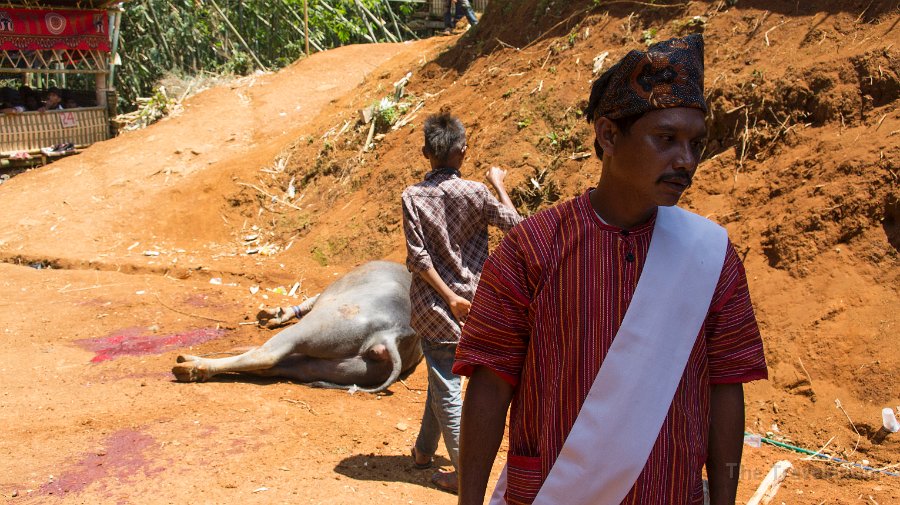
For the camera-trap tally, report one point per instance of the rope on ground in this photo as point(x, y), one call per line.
point(173, 309)
point(823, 457)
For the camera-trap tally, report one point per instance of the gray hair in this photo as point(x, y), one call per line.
point(444, 133)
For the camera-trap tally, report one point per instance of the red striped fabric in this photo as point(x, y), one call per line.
point(550, 301)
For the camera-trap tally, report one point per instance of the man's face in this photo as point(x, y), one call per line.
point(654, 163)
point(53, 99)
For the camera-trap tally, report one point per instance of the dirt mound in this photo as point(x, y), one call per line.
point(802, 168)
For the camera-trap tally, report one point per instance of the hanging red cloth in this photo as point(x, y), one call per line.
point(44, 29)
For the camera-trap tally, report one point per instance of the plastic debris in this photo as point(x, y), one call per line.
point(151, 253)
point(254, 290)
point(268, 249)
point(216, 280)
point(753, 440)
point(291, 190)
point(599, 60)
point(889, 420)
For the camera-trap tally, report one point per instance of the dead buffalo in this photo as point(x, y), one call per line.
point(356, 333)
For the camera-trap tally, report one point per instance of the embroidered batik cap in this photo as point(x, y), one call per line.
point(668, 74)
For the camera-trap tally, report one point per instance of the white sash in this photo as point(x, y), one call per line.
point(620, 419)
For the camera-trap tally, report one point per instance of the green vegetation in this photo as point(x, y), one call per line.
point(190, 38)
point(388, 112)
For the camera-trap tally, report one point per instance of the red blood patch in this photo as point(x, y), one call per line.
point(133, 342)
point(121, 460)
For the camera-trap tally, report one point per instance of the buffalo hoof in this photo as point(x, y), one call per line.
point(189, 371)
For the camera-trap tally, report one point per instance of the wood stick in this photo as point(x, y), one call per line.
point(769, 486)
point(289, 204)
point(302, 33)
point(858, 435)
point(302, 404)
point(387, 6)
point(306, 23)
point(808, 377)
point(811, 457)
point(365, 22)
point(369, 138)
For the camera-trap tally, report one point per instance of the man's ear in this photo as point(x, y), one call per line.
point(606, 133)
point(426, 152)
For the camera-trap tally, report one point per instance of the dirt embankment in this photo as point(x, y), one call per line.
point(802, 168)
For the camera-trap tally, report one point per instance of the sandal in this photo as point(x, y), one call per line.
point(446, 481)
point(416, 464)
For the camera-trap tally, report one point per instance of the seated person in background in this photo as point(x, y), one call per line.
point(70, 103)
point(10, 102)
point(29, 98)
point(54, 100)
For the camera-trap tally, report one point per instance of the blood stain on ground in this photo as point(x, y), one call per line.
point(134, 342)
point(121, 459)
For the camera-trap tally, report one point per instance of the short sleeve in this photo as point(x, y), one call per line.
point(734, 344)
point(497, 214)
point(496, 332)
point(417, 257)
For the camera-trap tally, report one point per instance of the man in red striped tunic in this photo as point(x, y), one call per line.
point(553, 295)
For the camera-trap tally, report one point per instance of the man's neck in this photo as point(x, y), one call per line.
point(453, 164)
point(614, 208)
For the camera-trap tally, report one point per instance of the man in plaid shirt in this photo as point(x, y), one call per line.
point(445, 219)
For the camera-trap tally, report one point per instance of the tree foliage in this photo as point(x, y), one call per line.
point(190, 37)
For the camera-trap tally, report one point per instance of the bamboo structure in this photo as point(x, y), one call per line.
point(41, 52)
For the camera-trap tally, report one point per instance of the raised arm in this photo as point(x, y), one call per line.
point(483, 421)
point(495, 176)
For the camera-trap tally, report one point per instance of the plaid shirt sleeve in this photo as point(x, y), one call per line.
point(496, 213)
point(417, 257)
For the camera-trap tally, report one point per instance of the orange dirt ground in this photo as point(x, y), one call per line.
point(803, 170)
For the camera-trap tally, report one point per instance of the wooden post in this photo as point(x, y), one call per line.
point(306, 23)
point(100, 89)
